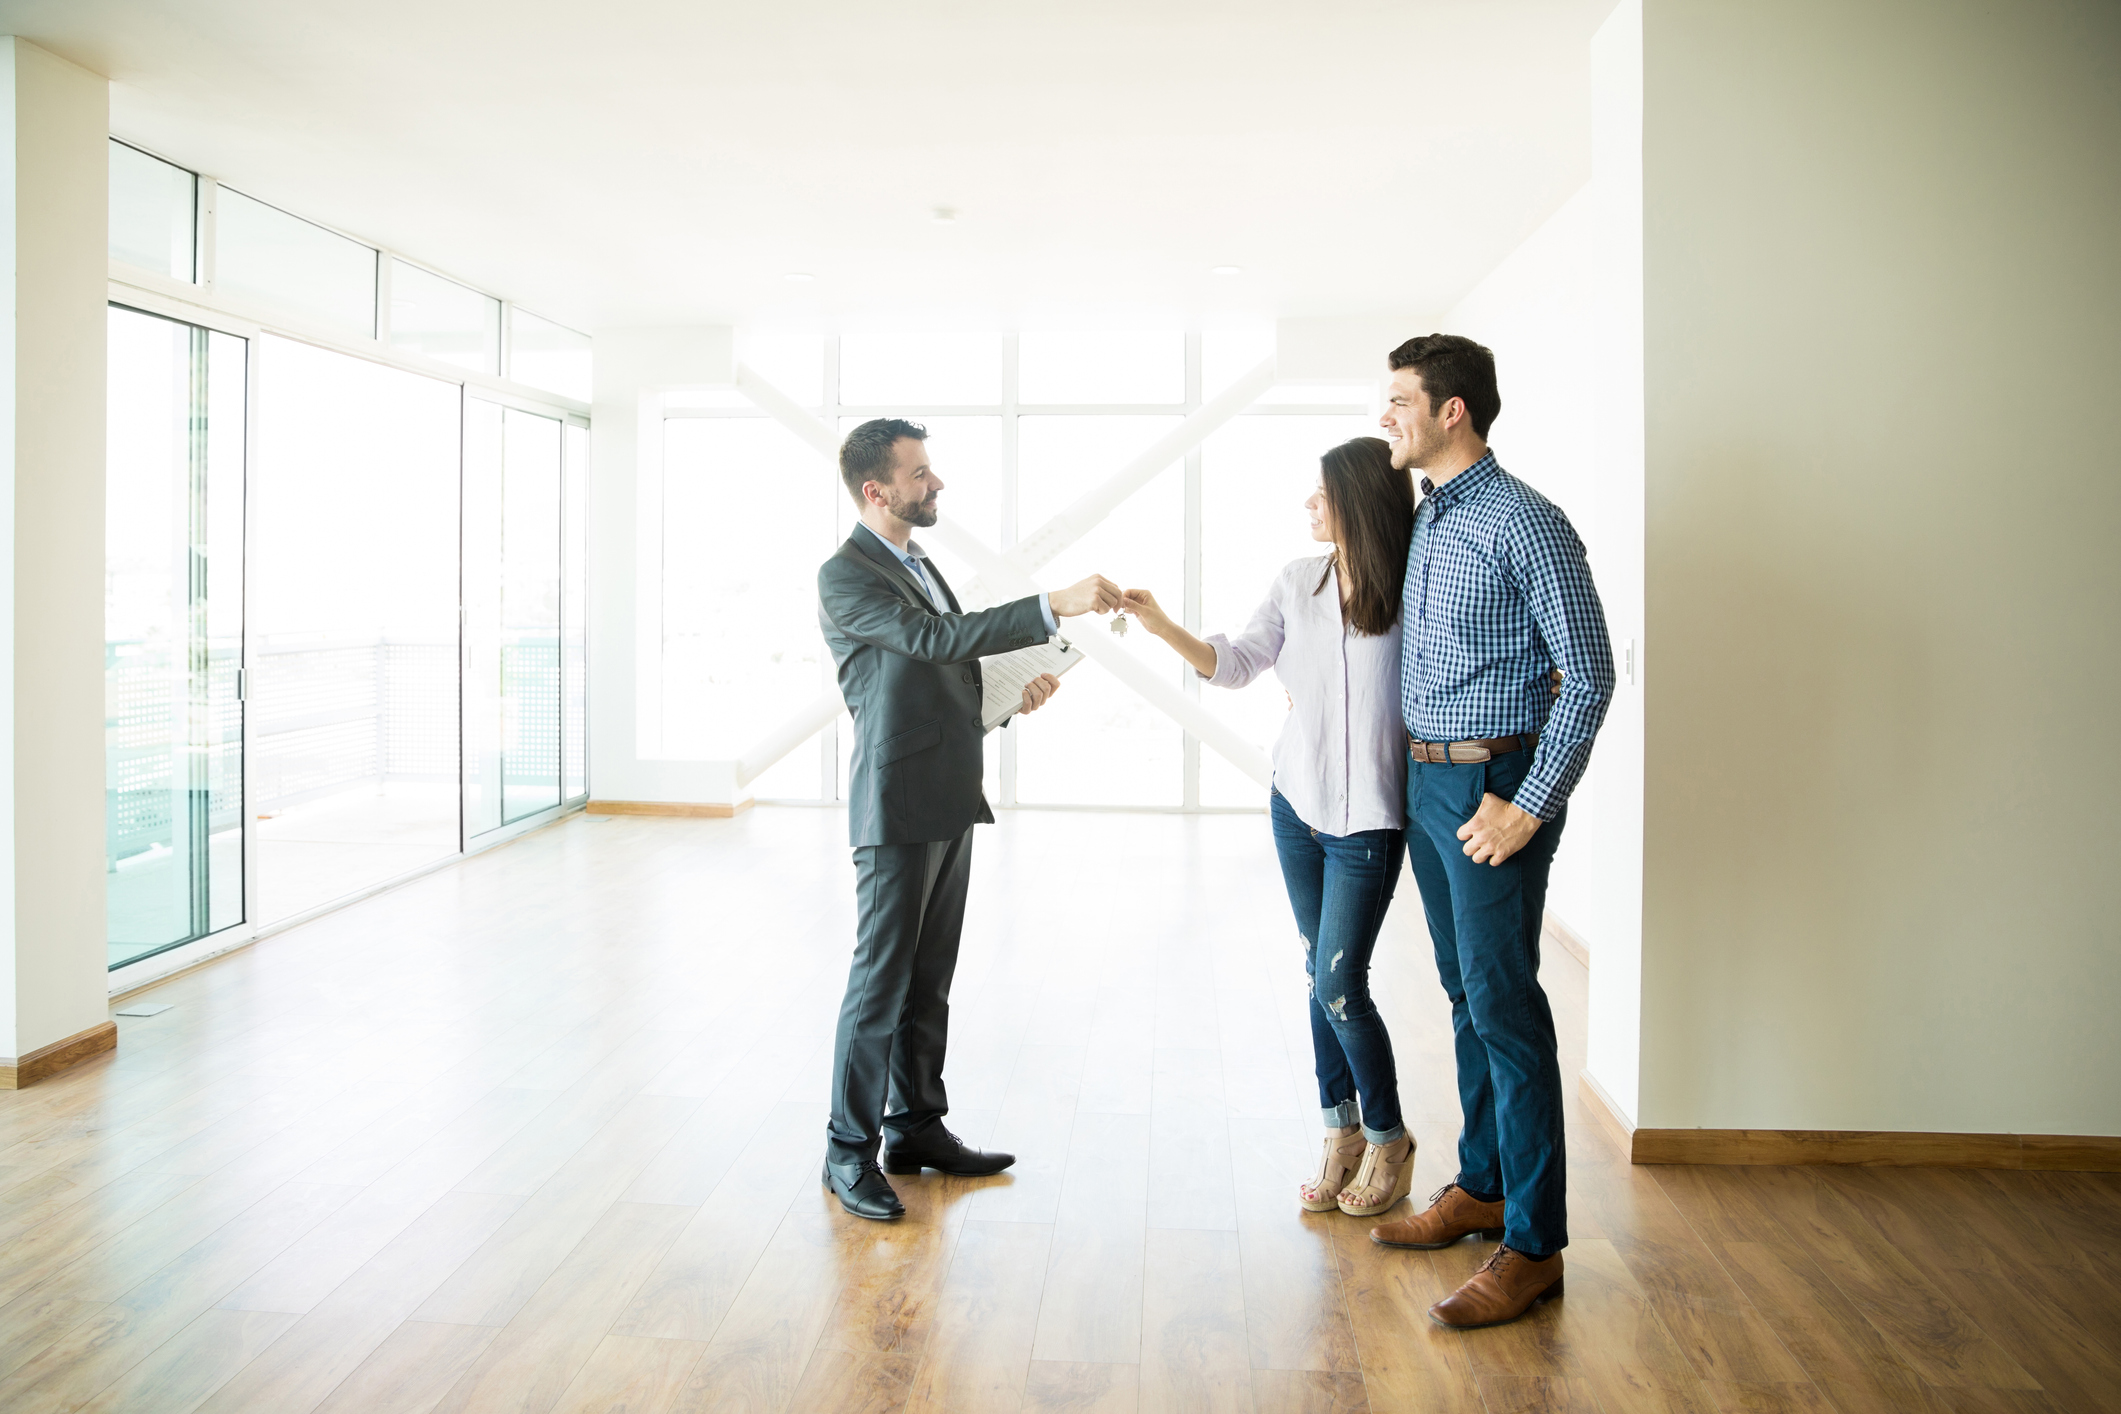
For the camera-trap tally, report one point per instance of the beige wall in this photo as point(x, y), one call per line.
point(54, 169)
point(1883, 573)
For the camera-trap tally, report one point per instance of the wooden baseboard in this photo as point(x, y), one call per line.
point(1606, 1115)
point(1874, 1148)
point(685, 809)
point(46, 1061)
point(1560, 932)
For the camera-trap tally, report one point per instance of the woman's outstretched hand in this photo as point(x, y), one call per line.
point(1142, 604)
point(1198, 653)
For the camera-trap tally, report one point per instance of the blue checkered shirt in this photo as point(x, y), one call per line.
point(1497, 596)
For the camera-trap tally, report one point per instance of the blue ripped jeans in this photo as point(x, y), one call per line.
point(1340, 887)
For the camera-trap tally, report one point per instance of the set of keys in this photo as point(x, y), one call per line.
point(1119, 623)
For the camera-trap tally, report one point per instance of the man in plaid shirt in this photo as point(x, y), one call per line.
point(1498, 597)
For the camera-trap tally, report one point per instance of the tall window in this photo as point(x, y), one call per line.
point(354, 611)
point(523, 609)
point(1020, 426)
point(173, 634)
point(345, 607)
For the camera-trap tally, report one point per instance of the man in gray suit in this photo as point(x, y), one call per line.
point(909, 669)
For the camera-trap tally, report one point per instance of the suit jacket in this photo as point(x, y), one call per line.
point(911, 678)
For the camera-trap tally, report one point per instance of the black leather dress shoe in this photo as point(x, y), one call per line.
point(863, 1190)
point(937, 1148)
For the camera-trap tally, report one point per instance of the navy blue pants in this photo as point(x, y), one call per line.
point(1339, 888)
point(1485, 922)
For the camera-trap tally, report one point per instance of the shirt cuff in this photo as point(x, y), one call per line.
point(1224, 658)
point(1546, 788)
point(1045, 607)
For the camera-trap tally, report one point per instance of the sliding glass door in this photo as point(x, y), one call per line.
point(173, 634)
point(353, 607)
point(344, 626)
point(524, 505)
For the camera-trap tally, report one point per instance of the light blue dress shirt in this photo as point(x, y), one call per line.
point(915, 559)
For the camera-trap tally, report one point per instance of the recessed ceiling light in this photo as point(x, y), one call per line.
point(798, 276)
point(1226, 270)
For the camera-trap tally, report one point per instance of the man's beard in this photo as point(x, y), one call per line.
point(1414, 450)
point(916, 513)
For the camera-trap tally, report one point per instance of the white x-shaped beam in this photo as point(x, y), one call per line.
point(1008, 575)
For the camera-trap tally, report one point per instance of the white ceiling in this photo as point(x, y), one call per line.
point(654, 162)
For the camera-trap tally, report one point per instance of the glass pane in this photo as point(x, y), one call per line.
point(354, 601)
point(173, 634)
point(482, 617)
point(152, 212)
point(530, 614)
point(741, 647)
point(1227, 355)
point(545, 355)
point(574, 661)
point(265, 254)
point(720, 399)
point(443, 319)
point(794, 777)
point(1100, 744)
point(227, 381)
point(1138, 367)
point(793, 363)
point(913, 370)
point(1256, 474)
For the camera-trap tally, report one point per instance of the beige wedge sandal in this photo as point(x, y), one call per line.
point(1336, 1170)
point(1382, 1181)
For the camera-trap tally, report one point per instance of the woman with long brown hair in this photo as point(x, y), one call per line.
point(1330, 631)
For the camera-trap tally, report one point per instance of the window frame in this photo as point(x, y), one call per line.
point(1009, 410)
point(141, 290)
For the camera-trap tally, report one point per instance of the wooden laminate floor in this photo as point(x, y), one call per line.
point(542, 1132)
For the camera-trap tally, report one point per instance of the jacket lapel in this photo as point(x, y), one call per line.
point(873, 549)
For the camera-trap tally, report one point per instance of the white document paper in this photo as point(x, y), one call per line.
point(1004, 676)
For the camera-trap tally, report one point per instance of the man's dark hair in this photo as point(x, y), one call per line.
point(866, 455)
point(1453, 366)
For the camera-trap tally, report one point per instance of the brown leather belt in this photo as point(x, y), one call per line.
point(1467, 753)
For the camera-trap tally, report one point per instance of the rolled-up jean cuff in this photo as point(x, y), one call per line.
point(1384, 1136)
point(1342, 1115)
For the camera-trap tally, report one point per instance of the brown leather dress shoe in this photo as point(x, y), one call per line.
point(1452, 1214)
point(1507, 1285)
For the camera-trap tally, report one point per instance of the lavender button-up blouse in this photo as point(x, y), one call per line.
point(1341, 759)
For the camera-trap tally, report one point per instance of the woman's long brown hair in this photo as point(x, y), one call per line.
point(1373, 506)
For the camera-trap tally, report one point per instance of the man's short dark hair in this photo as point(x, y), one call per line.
point(866, 455)
point(1453, 366)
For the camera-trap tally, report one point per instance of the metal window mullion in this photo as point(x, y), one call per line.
point(206, 195)
point(248, 654)
point(1009, 414)
point(382, 319)
point(249, 318)
point(828, 740)
point(1190, 681)
point(198, 646)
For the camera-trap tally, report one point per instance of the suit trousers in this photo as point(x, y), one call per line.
point(887, 1061)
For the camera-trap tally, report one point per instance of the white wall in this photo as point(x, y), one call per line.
point(54, 181)
point(625, 561)
point(1884, 596)
point(1566, 333)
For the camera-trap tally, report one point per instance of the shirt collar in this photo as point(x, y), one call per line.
point(1466, 484)
point(907, 556)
